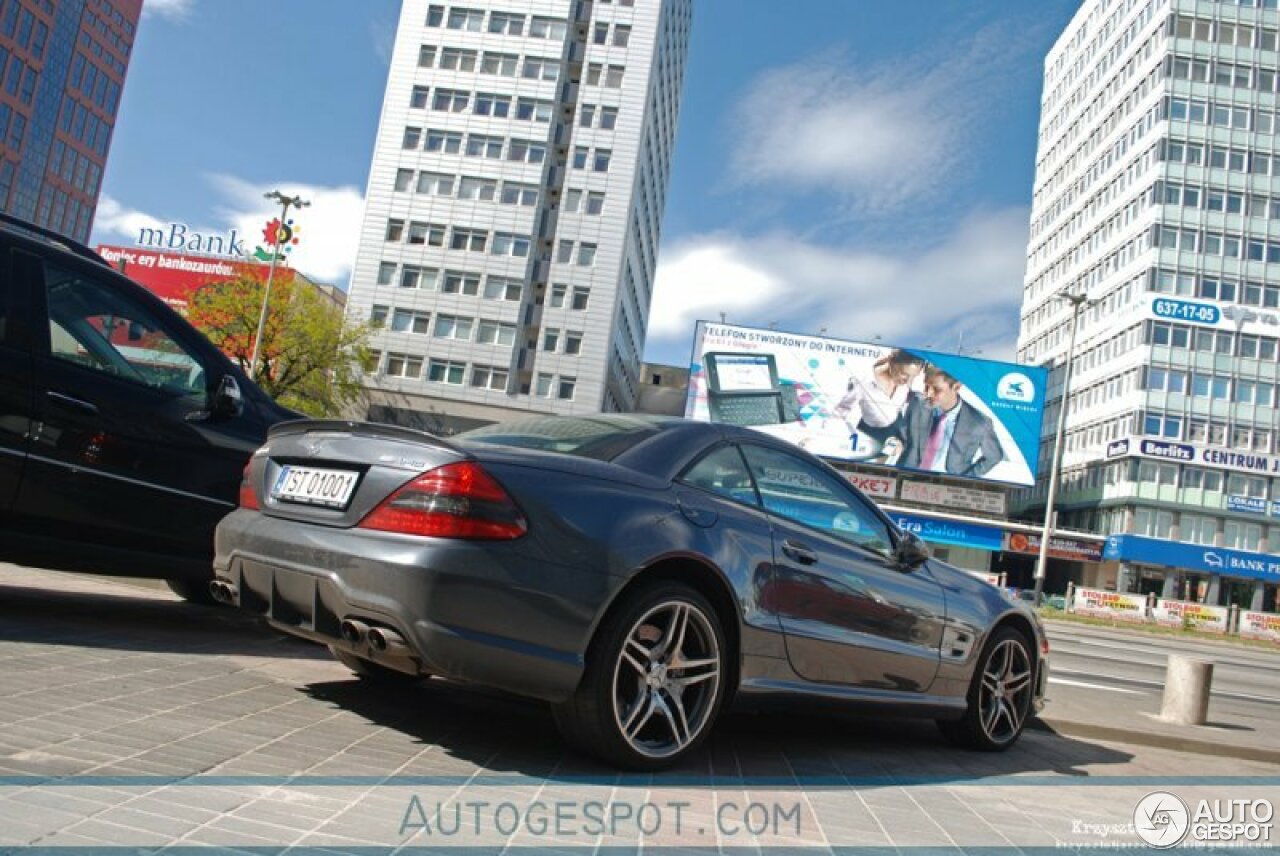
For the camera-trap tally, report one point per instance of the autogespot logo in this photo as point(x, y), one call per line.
point(1016, 386)
point(1161, 819)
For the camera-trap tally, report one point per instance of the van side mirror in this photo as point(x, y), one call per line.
point(228, 401)
point(911, 552)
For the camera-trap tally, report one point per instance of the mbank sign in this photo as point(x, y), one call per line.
point(179, 237)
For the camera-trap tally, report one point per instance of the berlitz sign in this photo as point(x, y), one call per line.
point(182, 238)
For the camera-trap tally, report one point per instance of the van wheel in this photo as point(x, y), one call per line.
point(192, 592)
point(374, 673)
point(655, 680)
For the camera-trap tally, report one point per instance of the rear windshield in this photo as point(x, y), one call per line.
point(600, 437)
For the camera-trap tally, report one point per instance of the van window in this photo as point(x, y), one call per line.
point(96, 326)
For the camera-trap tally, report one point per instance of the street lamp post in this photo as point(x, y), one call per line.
point(1078, 302)
point(286, 202)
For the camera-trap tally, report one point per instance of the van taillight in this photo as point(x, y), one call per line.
point(458, 500)
point(248, 499)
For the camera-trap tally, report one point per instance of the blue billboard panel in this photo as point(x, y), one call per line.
point(912, 409)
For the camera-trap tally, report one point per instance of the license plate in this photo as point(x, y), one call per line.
point(312, 486)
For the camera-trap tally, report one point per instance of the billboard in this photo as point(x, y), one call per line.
point(174, 277)
point(907, 408)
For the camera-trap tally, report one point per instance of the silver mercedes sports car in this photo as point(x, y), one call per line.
point(638, 573)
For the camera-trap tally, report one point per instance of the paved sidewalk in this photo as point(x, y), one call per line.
point(1239, 726)
point(131, 720)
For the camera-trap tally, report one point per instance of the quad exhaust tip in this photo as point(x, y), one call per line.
point(386, 641)
point(353, 632)
point(224, 592)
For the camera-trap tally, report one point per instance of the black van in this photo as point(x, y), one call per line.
point(123, 430)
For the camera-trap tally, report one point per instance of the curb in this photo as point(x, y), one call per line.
point(1068, 728)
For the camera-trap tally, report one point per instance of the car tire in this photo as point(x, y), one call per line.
point(374, 673)
point(633, 707)
point(192, 591)
point(1000, 695)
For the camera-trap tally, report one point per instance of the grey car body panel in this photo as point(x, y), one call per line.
point(520, 615)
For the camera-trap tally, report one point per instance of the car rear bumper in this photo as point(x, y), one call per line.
point(489, 613)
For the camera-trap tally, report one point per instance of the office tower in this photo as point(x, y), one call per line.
point(515, 205)
point(1154, 196)
point(62, 68)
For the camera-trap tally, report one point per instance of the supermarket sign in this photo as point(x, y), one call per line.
point(877, 487)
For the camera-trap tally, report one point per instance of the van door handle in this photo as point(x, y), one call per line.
point(800, 552)
point(72, 403)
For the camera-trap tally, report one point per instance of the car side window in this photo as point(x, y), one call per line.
point(793, 488)
point(96, 326)
point(724, 472)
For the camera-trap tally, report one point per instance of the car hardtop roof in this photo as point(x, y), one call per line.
point(49, 238)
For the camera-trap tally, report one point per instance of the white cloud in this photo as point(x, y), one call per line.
point(970, 283)
point(878, 135)
point(175, 10)
point(329, 228)
point(114, 218)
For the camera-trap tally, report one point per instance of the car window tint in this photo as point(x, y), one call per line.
point(724, 472)
point(5, 277)
point(93, 325)
point(793, 488)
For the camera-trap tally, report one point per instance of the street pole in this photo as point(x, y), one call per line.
point(286, 202)
point(1050, 514)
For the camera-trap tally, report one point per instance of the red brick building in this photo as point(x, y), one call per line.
point(62, 71)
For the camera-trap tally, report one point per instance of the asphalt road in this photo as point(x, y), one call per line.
point(1112, 663)
point(1115, 679)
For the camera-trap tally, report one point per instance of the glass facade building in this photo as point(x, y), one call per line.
point(515, 204)
point(62, 71)
point(1157, 194)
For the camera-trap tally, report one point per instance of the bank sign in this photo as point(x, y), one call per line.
point(181, 238)
point(1192, 557)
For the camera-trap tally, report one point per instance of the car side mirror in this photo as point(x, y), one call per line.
point(911, 552)
point(228, 401)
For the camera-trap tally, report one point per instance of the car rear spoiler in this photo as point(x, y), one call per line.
point(365, 429)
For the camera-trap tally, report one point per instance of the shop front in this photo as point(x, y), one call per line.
point(1195, 573)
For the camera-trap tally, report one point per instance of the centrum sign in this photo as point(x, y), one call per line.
point(1242, 462)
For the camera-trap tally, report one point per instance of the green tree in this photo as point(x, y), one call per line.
point(310, 358)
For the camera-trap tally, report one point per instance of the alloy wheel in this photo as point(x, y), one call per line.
point(666, 679)
point(1005, 694)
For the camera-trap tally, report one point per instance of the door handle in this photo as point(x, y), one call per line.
point(72, 403)
point(800, 552)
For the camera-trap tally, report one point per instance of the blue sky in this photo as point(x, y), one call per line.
point(857, 167)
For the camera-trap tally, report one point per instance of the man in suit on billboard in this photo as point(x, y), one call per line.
point(943, 434)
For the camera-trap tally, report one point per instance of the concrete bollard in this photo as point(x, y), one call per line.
point(1186, 690)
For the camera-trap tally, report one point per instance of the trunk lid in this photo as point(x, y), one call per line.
point(333, 473)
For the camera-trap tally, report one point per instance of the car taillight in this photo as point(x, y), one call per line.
point(454, 501)
point(248, 499)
